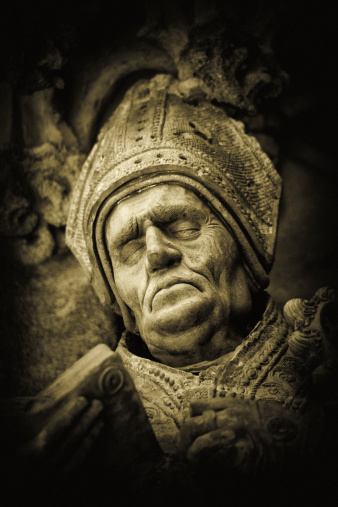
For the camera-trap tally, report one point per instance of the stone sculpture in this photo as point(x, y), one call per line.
point(174, 219)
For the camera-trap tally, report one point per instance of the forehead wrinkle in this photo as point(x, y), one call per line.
point(173, 211)
point(158, 213)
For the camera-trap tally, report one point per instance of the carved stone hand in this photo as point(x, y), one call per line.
point(90, 416)
point(63, 435)
point(244, 435)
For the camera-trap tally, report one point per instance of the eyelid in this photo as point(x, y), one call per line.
point(185, 223)
point(132, 233)
point(126, 255)
point(125, 241)
point(134, 236)
point(128, 241)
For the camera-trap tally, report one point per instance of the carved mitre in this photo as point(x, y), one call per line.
point(155, 137)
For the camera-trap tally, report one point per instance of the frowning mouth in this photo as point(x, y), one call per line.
point(162, 286)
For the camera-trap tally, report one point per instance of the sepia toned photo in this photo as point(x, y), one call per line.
point(169, 279)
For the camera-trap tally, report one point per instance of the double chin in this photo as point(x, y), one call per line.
point(181, 321)
point(188, 344)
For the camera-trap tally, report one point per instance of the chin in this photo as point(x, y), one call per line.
point(181, 349)
point(185, 315)
point(175, 332)
point(179, 344)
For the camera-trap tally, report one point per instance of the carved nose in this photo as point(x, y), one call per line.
point(160, 254)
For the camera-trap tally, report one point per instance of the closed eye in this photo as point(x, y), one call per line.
point(184, 229)
point(132, 251)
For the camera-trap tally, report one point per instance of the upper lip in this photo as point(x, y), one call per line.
point(165, 284)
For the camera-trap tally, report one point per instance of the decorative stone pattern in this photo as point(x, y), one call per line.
point(165, 393)
point(264, 367)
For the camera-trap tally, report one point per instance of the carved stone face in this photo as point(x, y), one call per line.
point(178, 269)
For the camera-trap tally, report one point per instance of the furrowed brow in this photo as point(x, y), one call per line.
point(126, 233)
point(175, 212)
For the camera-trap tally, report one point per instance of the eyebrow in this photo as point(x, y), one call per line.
point(128, 232)
point(158, 215)
point(162, 215)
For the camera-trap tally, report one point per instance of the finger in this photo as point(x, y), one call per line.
point(196, 426)
point(217, 441)
point(199, 406)
point(79, 456)
point(57, 425)
point(232, 419)
point(39, 410)
point(77, 434)
point(37, 405)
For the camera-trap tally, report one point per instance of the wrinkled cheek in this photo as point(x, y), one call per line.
point(234, 292)
point(222, 261)
point(128, 290)
point(230, 272)
point(240, 293)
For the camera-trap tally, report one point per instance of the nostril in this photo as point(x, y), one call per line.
point(162, 259)
point(154, 258)
point(174, 261)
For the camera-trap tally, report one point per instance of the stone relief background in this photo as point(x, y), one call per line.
point(62, 64)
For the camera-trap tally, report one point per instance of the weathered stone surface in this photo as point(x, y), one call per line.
point(38, 199)
point(225, 47)
point(51, 171)
point(17, 215)
point(35, 248)
point(52, 317)
point(39, 119)
point(100, 75)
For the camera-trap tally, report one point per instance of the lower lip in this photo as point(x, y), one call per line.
point(172, 295)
